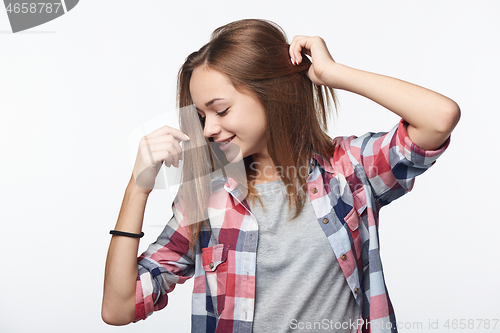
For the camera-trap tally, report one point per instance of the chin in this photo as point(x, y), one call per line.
point(234, 155)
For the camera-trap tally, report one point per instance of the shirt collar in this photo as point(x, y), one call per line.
point(239, 191)
point(316, 159)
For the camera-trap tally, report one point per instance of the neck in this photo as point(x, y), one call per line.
point(265, 170)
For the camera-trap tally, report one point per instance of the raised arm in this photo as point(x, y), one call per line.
point(431, 116)
point(121, 272)
point(118, 303)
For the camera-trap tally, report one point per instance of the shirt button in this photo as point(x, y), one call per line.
point(315, 190)
point(211, 265)
point(356, 290)
point(343, 257)
point(325, 220)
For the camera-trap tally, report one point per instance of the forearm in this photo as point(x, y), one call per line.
point(431, 116)
point(118, 306)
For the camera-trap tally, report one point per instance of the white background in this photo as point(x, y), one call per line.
point(73, 90)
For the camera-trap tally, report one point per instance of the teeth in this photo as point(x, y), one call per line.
point(226, 142)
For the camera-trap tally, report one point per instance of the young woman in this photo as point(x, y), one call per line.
point(305, 256)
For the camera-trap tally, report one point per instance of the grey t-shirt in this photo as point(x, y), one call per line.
point(300, 286)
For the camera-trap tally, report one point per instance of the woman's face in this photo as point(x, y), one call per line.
point(229, 114)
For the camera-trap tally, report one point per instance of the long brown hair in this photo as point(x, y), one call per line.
point(254, 54)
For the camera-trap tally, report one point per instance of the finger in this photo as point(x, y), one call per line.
point(148, 153)
point(290, 50)
point(163, 157)
point(296, 47)
point(168, 162)
point(303, 47)
point(164, 142)
point(167, 130)
point(157, 149)
point(167, 150)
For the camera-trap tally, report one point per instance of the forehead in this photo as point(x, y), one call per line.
point(207, 84)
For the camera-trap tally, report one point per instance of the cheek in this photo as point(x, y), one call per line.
point(261, 124)
point(257, 119)
point(253, 118)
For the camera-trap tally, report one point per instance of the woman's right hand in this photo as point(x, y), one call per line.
point(160, 146)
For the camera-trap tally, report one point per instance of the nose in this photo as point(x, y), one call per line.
point(212, 126)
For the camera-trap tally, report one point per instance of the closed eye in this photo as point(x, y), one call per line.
point(222, 113)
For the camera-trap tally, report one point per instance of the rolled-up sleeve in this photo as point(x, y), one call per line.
point(165, 263)
point(390, 161)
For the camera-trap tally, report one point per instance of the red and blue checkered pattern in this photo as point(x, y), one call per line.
point(366, 173)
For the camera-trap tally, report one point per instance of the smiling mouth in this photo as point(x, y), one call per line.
point(227, 141)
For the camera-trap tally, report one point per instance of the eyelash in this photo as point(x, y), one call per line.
point(222, 113)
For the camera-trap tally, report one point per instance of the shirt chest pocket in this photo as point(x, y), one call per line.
point(357, 219)
point(353, 218)
point(215, 266)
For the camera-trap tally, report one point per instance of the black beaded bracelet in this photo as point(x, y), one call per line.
point(126, 234)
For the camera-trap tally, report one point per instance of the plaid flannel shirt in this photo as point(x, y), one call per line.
point(368, 172)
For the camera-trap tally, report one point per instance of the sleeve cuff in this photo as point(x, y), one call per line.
point(140, 308)
point(414, 153)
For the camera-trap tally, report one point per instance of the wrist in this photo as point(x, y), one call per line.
point(136, 190)
point(334, 75)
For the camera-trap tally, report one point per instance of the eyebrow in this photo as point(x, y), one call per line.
point(207, 104)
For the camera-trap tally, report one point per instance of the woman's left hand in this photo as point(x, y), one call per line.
point(315, 47)
point(431, 116)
